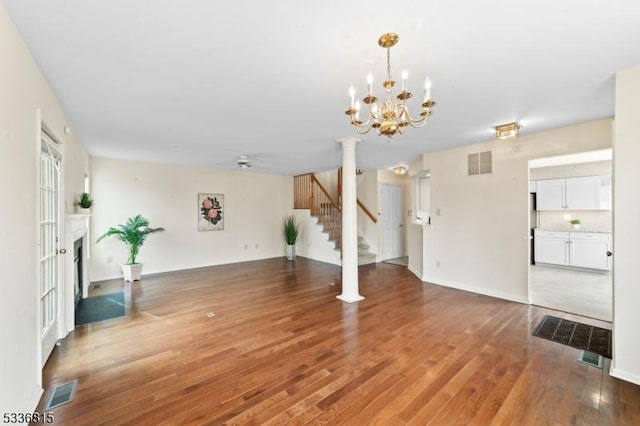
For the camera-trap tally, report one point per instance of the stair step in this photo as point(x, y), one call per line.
point(366, 259)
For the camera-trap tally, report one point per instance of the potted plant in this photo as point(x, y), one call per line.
point(575, 223)
point(291, 230)
point(133, 234)
point(84, 203)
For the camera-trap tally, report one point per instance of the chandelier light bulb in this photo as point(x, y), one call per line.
point(352, 93)
point(427, 89)
point(370, 82)
point(405, 75)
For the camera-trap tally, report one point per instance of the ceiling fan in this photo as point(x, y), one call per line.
point(241, 162)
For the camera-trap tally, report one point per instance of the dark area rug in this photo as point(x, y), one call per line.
point(575, 334)
point(99, 308)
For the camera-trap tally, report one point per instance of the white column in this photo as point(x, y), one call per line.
point(349, 222)
point(626, 227)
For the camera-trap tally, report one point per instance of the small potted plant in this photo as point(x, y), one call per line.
point(575, 223)
point(133, 234)
point(84, 203)
point(291, 230)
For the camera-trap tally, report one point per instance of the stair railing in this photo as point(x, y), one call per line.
point(360, 203)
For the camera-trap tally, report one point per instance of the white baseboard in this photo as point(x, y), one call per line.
point(624, 375)
point(415, 271)
point(35, 400)
point(162, 271)
point(484, 291)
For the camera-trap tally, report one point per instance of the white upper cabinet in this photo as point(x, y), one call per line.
point(581, 193)
point(550, 194)
point(574, 193)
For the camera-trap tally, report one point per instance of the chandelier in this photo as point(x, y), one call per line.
point(391, 116)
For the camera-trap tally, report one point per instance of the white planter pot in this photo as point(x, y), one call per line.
point(575, 226)
point(132, 272)
point(80, 210)
point(291, 252)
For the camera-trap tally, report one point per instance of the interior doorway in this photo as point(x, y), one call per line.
point(392, 227)
point(571, 234)
point(49, 235)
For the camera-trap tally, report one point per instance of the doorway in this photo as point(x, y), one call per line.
point(49, 234)
point(392, 227)
point(571, 232)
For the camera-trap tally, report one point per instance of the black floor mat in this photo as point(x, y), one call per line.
point(100, 308)
point(575, 334)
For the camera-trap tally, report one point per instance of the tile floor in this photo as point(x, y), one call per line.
point(582, 292)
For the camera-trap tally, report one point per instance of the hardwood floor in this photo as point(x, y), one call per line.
point(281, 349)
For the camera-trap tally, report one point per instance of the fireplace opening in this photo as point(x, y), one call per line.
point(77, 270)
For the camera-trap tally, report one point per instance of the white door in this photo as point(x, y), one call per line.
point(48, 254)
point(391, 220)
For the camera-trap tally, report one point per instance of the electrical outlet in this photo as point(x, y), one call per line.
point(246, 246)
point(110, 259)
point(438, 212)
point(257, 246)
point(437, 263)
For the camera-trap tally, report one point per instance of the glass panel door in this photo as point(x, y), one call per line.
point(48, 274)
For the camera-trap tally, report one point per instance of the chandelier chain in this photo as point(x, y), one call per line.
point(388, 63)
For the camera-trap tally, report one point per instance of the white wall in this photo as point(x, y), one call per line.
point(24, 91)
point(481, 236)
point(329, 180)
point(626, 228)
point(368, 193)
point(254, 208)
point(312, 242)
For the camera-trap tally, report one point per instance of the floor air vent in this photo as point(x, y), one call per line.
point(590, 358)
point(62, 394)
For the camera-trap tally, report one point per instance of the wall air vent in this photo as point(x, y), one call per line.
point(479, 163)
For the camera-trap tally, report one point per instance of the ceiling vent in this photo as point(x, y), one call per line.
point(479, 163)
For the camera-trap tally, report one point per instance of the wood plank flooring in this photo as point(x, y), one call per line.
point(281, 349)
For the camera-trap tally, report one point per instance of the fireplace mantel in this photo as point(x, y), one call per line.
point(76, 227)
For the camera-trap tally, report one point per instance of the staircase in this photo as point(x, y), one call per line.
point(332, 225)
point(310, 194)
point(365, 257)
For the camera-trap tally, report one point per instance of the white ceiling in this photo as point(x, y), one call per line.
point(200, 82)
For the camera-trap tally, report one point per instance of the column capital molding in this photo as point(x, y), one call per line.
point(348, 140)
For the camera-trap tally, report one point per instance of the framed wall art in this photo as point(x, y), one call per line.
point(210, 212)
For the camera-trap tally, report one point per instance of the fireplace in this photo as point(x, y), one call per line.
point(78, 277)
point(74, 283)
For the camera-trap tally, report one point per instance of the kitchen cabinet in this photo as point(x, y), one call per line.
point(550, 194)
point(579, 249)
point(589, 250)
point(574, 193)
point(551, 247)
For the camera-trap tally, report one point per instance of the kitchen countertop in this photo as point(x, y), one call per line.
point(590, 231)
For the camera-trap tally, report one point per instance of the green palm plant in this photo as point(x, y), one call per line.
point(291, 230)
point(132, 233)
